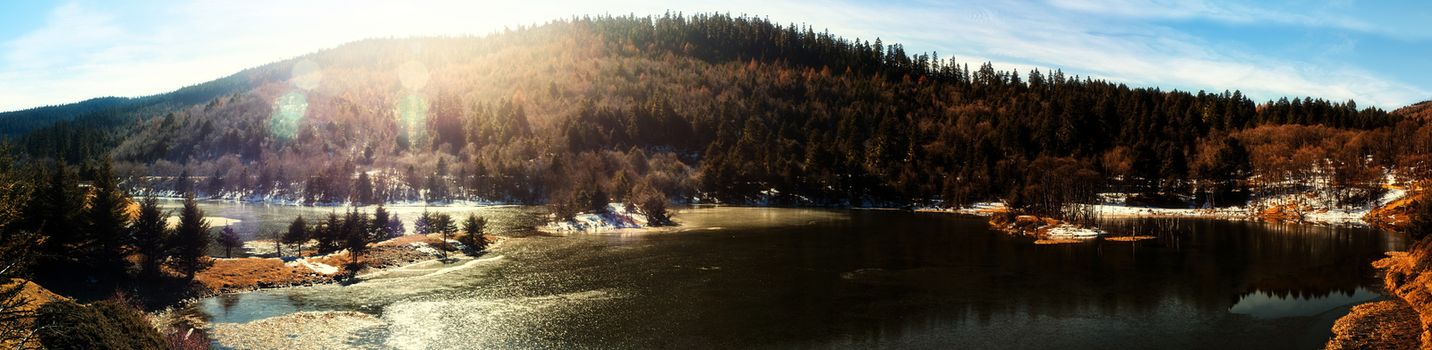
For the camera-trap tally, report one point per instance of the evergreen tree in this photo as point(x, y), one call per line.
point(151, 235)
point(443, 224)
point(382, 226)
point(395, 226)
point(191, 240)
point(297, 234)
point(356, 238)
point(474, 226)
point(53, 211)
point(329, 234)
point(363, 190)
point(424, 224)
point(107, 224)
point(229, 240)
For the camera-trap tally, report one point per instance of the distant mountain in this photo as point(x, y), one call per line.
point(711, 107)
point(116, 110)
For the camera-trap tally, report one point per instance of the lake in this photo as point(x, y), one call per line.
point(802, 278)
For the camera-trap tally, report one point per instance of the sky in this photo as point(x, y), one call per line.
point(1375, 52)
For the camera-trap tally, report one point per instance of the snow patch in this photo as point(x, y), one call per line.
point(617, 217)
point(315, 266)
point(1074, 231)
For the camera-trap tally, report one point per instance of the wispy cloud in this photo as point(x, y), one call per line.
point(86, 49)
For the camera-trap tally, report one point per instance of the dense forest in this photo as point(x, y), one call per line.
point(714, 108)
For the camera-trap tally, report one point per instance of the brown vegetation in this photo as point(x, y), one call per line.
point(1388, 324)
point(227, 275)
point(35, 297)
point(1407, 278)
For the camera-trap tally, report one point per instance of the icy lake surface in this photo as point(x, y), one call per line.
point(784, 278)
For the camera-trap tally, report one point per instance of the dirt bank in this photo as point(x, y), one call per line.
point(1396, 324)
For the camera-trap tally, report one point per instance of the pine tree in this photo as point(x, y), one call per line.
point(424, 224)
point(229, 239)
point(443, 224)
point(107, 224)
point(150, 237)
point(356, 238)
point(381, 227)
point(474, 227)
point(53, 211)
point(395, 227)
point(329, 234)
point(297, 234)
point(191, 240)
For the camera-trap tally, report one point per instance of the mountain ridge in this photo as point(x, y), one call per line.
point(730, 109)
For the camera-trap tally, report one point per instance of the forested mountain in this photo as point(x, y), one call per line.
point(88, 129)
point(713, 108)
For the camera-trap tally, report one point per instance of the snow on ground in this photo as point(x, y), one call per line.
point(981, 209)
point(1315, 207)
point(1073, 231)
point(315, 266)
point(1353, 214)
point(1120, 210)
point(616, 217)
point(214, 221)
point(424, 248)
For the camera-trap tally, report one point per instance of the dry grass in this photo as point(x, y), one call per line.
point(1284, 212)
point(410, 239)
point(228, 275)
point(1407, 277)
point(252, 273)
point(1393, 216)
point(36, 296)
point(1389, 324)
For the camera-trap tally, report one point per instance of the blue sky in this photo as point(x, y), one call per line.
point(1377, 52)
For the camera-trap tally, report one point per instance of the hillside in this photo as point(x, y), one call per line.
point(720, 108)
point(1420, 111)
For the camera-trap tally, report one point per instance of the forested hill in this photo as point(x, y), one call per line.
point(117, 111)
point(716, 108)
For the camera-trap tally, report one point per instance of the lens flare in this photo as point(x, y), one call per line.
point(412, 107)
point(413, 119)
point(288, 110)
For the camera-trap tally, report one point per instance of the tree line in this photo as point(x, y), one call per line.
point(732, 109)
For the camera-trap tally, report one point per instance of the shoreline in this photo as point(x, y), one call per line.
point(392, 254)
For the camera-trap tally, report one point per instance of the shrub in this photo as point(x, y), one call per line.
point(651, 203)
point(102, 325)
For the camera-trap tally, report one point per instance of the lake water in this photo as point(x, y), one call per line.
point(796, 278)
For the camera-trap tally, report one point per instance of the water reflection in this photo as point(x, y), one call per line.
point(1268, 305)
point(812, 278)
